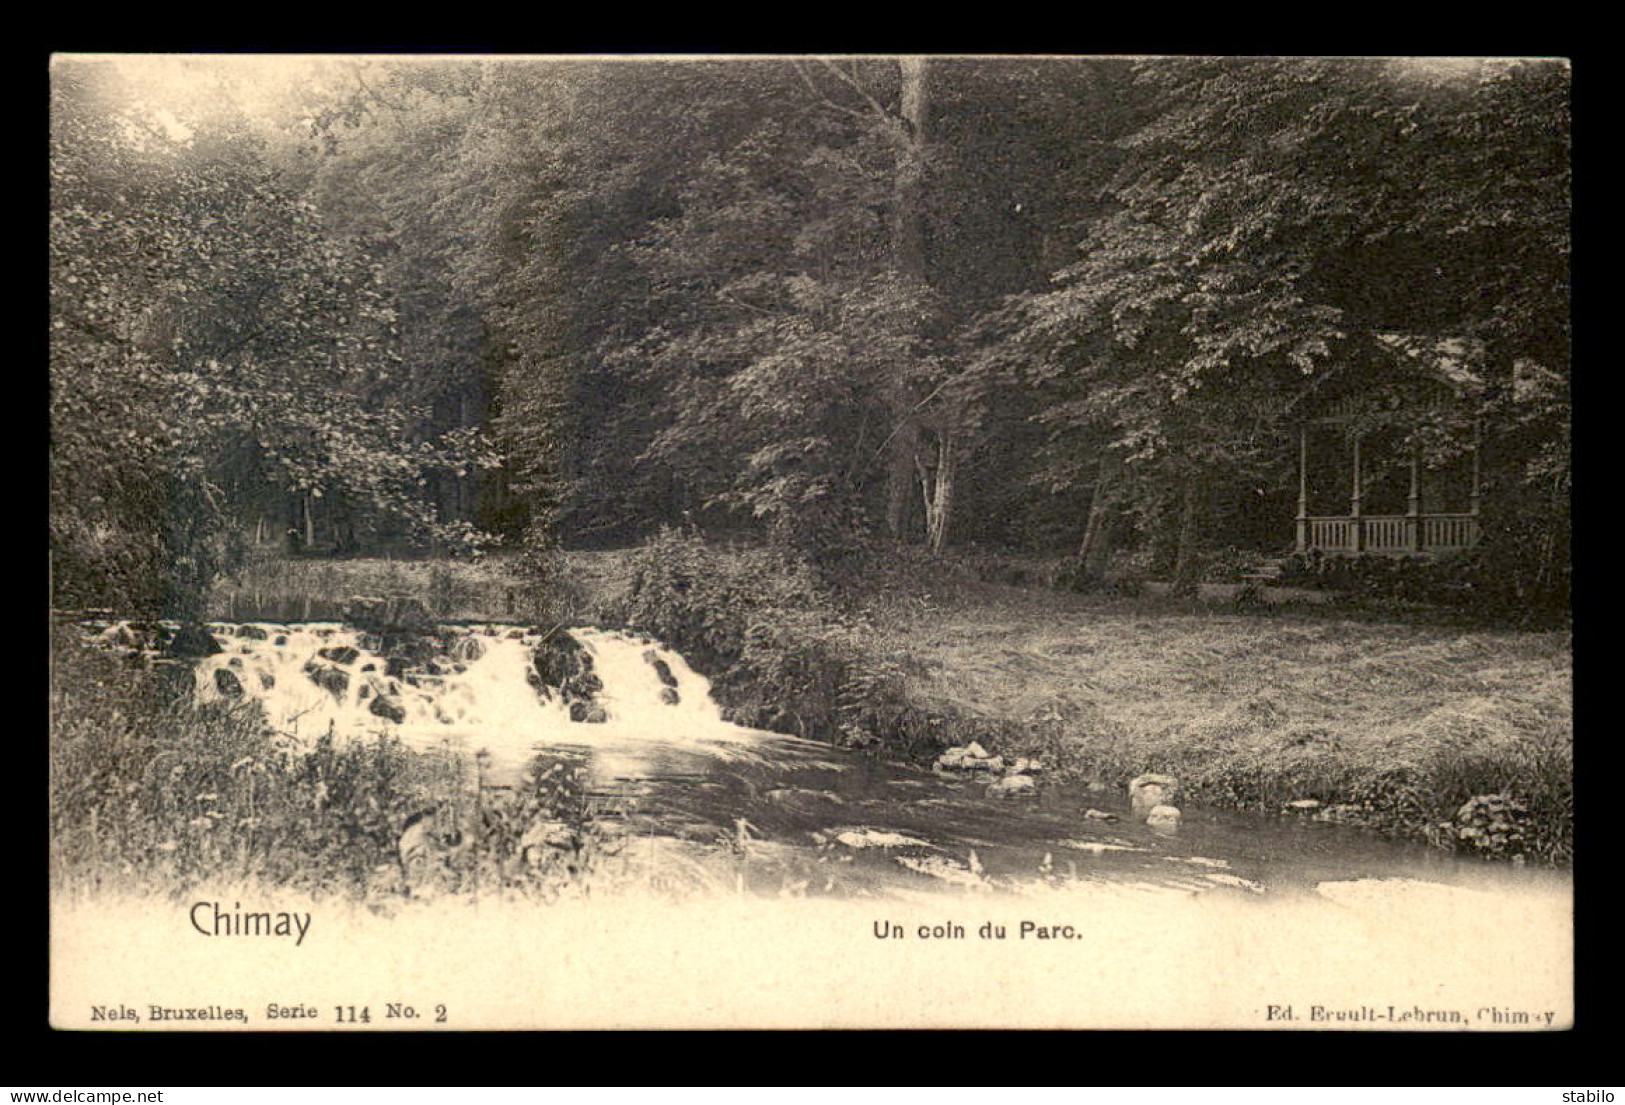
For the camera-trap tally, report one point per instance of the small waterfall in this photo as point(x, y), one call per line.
point(475, 687)
point(648, 685)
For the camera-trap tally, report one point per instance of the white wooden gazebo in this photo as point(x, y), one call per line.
point(1370, 493)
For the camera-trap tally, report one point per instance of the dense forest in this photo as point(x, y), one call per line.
point(1062, 306)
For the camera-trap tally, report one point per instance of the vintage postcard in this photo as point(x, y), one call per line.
point(810, 542)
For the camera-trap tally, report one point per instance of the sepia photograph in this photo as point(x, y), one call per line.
point(792, 541)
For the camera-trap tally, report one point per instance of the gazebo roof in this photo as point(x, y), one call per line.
point(1449, 360)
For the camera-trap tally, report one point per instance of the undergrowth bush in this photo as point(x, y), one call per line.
point(149, 789)
point(781, 653)
point(1487, 582)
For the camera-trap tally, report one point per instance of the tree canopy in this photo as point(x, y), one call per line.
point(825, 301)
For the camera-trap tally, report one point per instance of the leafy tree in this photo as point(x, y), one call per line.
point(1256, 208)
point(212, 346)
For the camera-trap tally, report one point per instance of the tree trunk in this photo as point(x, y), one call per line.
point(908, 186)
point(907, 460)
point(900, 479)
point(310, 522)
point(940, 505)
point(465, 475)
point(1187, 560)
point(908, 260)
point(1094, 554)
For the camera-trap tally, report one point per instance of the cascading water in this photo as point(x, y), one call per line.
point(476, 688)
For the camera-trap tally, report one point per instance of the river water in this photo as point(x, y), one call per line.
point(796, 816)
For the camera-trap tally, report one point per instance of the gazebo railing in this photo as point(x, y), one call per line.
point(1448, 532)
point(1389, 534)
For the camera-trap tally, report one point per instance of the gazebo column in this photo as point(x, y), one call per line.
point(1413, 504)
point(1357, 531)
point(1303, 488)
point(1474, 500)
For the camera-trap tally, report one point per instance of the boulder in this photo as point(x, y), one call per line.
point(227, 683)
point(389, 707)
point(564, 665)
point(395, 666)
point(596, 715)
point(1304, 805)
point(469, 649)
point(281, 640)
point(329, 678)
point(1012, 785)
point(1163, 818)
point(252, 633)
point(1100, 815)
point(192, 641)
point(662, 669)
point(668, 696)
point(973, 757)
point(1146, 792)
point(343, 655)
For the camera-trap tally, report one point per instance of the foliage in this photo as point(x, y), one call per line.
point(214, 350)
point(780, 653)
point(1255, 211)
point(1014, 301)
point(1496, 581)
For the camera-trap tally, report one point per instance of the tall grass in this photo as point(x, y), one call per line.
point(149, 790)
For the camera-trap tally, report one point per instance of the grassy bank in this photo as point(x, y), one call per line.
point(1391, 725)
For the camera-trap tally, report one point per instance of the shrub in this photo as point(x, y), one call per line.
point(781, 654)
point(1226, 565)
